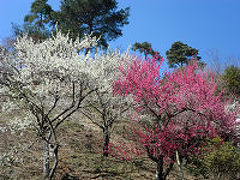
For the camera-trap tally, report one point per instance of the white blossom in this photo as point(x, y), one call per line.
point(48, 77)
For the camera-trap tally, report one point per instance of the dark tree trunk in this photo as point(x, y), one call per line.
point(159, 170)
point(106, 139)
point(162, 174)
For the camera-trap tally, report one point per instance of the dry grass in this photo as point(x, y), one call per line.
point(80, 155)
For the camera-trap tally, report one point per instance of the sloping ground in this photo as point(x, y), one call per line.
point(80, 155)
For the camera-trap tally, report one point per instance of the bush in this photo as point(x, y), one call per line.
point(219, 159)
point(224, 160)
point(231, 79)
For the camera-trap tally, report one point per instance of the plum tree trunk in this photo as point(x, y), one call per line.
point(55, 163)
point(106, 139)
point(45, 159)
point(179, 166)
point(160, 175)
point(47, 170)
point(159, 170)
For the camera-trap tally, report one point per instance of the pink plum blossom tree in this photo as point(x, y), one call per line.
point(181, 110)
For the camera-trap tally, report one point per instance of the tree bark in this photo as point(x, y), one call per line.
point(45, 159)
point(159, 170)
point(179, 166)
point(55, 163)
point(106, 139)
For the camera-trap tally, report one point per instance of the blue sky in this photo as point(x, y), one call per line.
point(202, 24)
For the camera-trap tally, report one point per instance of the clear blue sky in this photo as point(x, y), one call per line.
point(202, 24)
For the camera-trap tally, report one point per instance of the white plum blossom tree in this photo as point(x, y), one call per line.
point(49, 81)
point(53, 79)
point(103, 108)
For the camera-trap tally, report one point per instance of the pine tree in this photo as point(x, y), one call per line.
point(100, 18)
point(180, 54)
point(37, 22)
point(146, 48)
point(40, 14)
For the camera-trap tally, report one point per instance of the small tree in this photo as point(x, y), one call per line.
point(103, 108)
point(146, 48)
point(182, 110)
point(180, 54)
point(231, 80)
point(219, 160)
point(49, 81)
point(223, 160)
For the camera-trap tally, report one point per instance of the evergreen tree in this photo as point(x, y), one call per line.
point(31, 30)
point(180, 54)
point(40, 14)
point(146, 48)
point(37, 22)
point(100, 18)
point(231, 78)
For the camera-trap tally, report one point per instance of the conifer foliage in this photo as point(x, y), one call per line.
point(101, 18)
point(180, 54)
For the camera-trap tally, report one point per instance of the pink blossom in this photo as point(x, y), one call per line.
point(183, 106)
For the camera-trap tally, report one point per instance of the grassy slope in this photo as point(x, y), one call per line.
point(80, 155)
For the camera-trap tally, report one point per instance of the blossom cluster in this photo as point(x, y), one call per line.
point(183, 107)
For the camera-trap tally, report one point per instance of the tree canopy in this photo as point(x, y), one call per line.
point(146, 48)
point(37, 23)
point(51, 81)
point(231, 78)
point(31, 30)
point(182, 110)
point(180, 54)
point(40, 13)
point(100, 18)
